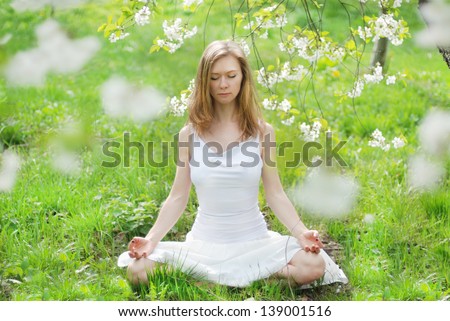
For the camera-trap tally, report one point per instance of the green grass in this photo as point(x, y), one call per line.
point(60, 236)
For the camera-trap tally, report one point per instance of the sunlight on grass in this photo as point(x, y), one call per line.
point(62, 228)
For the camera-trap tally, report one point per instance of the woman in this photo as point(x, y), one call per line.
point(225, 149)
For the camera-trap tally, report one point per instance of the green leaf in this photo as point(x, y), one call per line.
point(102, 27)
point(350, 45)
point(121, 20)
point(318, 5)
point(127, 11)
point(109, 29)
point(154, 48)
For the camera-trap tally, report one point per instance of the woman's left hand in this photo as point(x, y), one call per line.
point(310, 241)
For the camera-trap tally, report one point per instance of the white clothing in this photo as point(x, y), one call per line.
point(229, 242)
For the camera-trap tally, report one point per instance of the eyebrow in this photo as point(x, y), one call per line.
point(227, 72)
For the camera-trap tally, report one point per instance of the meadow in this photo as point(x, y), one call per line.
point(62, 231)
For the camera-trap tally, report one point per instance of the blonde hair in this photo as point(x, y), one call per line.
point(201, 109)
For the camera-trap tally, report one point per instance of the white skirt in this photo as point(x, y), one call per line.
point(234, 264)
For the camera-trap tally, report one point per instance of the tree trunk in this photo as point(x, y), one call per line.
point(379, 52)
point(445, 52)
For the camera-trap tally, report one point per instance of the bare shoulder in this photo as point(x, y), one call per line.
point(268, 130)
point(184, 133)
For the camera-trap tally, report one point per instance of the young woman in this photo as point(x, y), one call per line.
point(224, 150)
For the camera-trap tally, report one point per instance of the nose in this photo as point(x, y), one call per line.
point(223, 83)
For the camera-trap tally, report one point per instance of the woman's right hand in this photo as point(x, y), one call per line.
point(140, 247)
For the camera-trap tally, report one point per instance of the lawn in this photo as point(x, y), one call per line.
point(61, 230)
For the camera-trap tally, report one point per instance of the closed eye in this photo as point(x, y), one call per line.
point(229, 76)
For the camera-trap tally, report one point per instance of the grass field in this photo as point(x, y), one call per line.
point(61, 234)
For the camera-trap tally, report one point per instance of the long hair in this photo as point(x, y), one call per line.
point(201, 109)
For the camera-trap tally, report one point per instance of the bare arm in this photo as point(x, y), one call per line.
point(173, 206)
point(178, 197)
point(279, 202)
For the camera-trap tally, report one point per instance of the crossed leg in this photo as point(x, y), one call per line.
point(303, 268)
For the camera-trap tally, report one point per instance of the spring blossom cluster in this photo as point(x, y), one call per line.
point(379, 141)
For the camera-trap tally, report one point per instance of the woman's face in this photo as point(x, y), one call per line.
point(226, 79)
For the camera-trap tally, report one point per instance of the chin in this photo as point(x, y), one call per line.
point(226, 100)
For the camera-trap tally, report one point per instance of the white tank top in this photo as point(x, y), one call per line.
point(227, 186)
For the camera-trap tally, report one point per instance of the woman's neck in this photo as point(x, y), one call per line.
point(225, 113)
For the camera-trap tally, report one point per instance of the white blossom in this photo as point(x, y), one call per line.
point(189, 3)
point(67, 162)
point(378, 140)
point(289, 121)
point(384, 26)
point(55, 53)
point(267, 79)
point(387, 27)
point(310, 133)
point(365, 32)
point(424, 174)
point(390, 80)
point(358, 87)
point(5, 39)
point(369, 219)
point(397, 4)
point(397, 142)
point(177, 105)
point(286, 73)
point(273, 104)
point(122, 99)
point(434, 132)
point(376, 76)
point(312, 49)
point(277, 20)
point(285, 105)
point(175, 34)
point(269, 104)
point(245, 47)
point(142, 17)
point(437, 16)
point(34, 5)
point(326, 194)
point(10, 165)
point(113, 37)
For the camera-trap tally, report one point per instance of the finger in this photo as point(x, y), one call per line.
point(319, 243)
point(307, 248)
point(132, 245)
